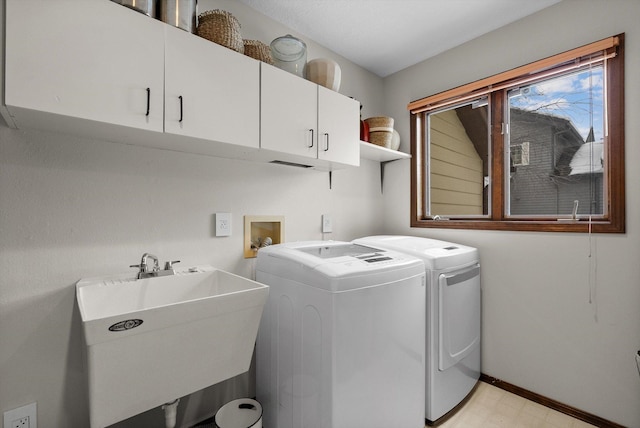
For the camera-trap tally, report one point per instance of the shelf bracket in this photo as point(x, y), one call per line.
point(382, 165)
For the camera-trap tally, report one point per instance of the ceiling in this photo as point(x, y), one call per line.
point(385, 36)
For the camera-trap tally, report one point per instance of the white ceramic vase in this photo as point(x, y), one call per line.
point(325, 72)
point(395, 140)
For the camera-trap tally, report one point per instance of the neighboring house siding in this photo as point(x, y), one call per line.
point(545, 186)
point(581, 188)
point(456, 178)
point(532, 190)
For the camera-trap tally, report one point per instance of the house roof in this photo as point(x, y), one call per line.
point(589, 159)
point(581, 157)
point(561, 123)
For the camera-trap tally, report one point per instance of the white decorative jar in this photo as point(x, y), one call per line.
point(325, 72)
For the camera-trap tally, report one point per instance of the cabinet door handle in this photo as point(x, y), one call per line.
point(148, 100)
point(311, 130)
point(327, 148)
point(180, 98)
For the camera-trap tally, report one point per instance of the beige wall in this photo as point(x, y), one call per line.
point(555, 320)
point(73, 208)
point(455, 172)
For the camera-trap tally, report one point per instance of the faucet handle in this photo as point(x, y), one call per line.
point(169, 265)
point(141, 269)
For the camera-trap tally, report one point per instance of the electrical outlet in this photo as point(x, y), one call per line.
point(223, 224)
point(22, 417)
point(21, 423)
point(327, 223)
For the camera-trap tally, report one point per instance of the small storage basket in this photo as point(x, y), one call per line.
point(380, 130)
point(258, 50)
point(221, 27)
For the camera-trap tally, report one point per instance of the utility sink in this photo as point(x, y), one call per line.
point(150, 341)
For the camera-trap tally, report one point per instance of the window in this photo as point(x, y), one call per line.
point(539, 148)
point(458, 160)
point(519, 154)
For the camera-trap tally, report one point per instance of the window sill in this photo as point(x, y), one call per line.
point(579, 226)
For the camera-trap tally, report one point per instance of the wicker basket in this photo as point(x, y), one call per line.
point(380, 130)
point(258, 50)
point(220, 27)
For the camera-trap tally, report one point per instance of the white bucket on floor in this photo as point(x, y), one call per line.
point(240, 413)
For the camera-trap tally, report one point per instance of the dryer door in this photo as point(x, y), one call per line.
point(459, 315)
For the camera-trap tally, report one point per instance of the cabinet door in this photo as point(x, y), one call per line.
point(288, 120)
point(338, 128)
point(90, 59)
point(211, 92)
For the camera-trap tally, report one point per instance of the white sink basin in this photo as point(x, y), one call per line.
point(150, 341)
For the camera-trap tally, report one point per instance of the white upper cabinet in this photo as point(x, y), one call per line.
point(93, 60)
point(302, 119)
point(96, 69)
point(289, 107)
point(211, 92)
point(338, 128)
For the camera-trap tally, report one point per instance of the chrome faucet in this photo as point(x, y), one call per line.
point(147, 271)
point(145, 265)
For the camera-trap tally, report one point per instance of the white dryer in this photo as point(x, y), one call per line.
point(341, 341)
point(453, 317)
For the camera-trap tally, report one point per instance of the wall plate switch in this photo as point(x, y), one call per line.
point(223, 224)
point(327, 223)
point(22, 417)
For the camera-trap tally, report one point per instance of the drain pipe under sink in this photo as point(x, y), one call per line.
point(170, 412)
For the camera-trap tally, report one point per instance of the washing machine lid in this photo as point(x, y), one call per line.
point(434, 253)
point(336, 265)
point(345, 249)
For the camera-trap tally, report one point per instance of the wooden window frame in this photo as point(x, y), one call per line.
point(493, 87)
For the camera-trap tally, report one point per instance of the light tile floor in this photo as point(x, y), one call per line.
point(492, 407)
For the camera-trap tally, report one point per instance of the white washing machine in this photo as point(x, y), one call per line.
point(341, 341)
point(453, 317)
